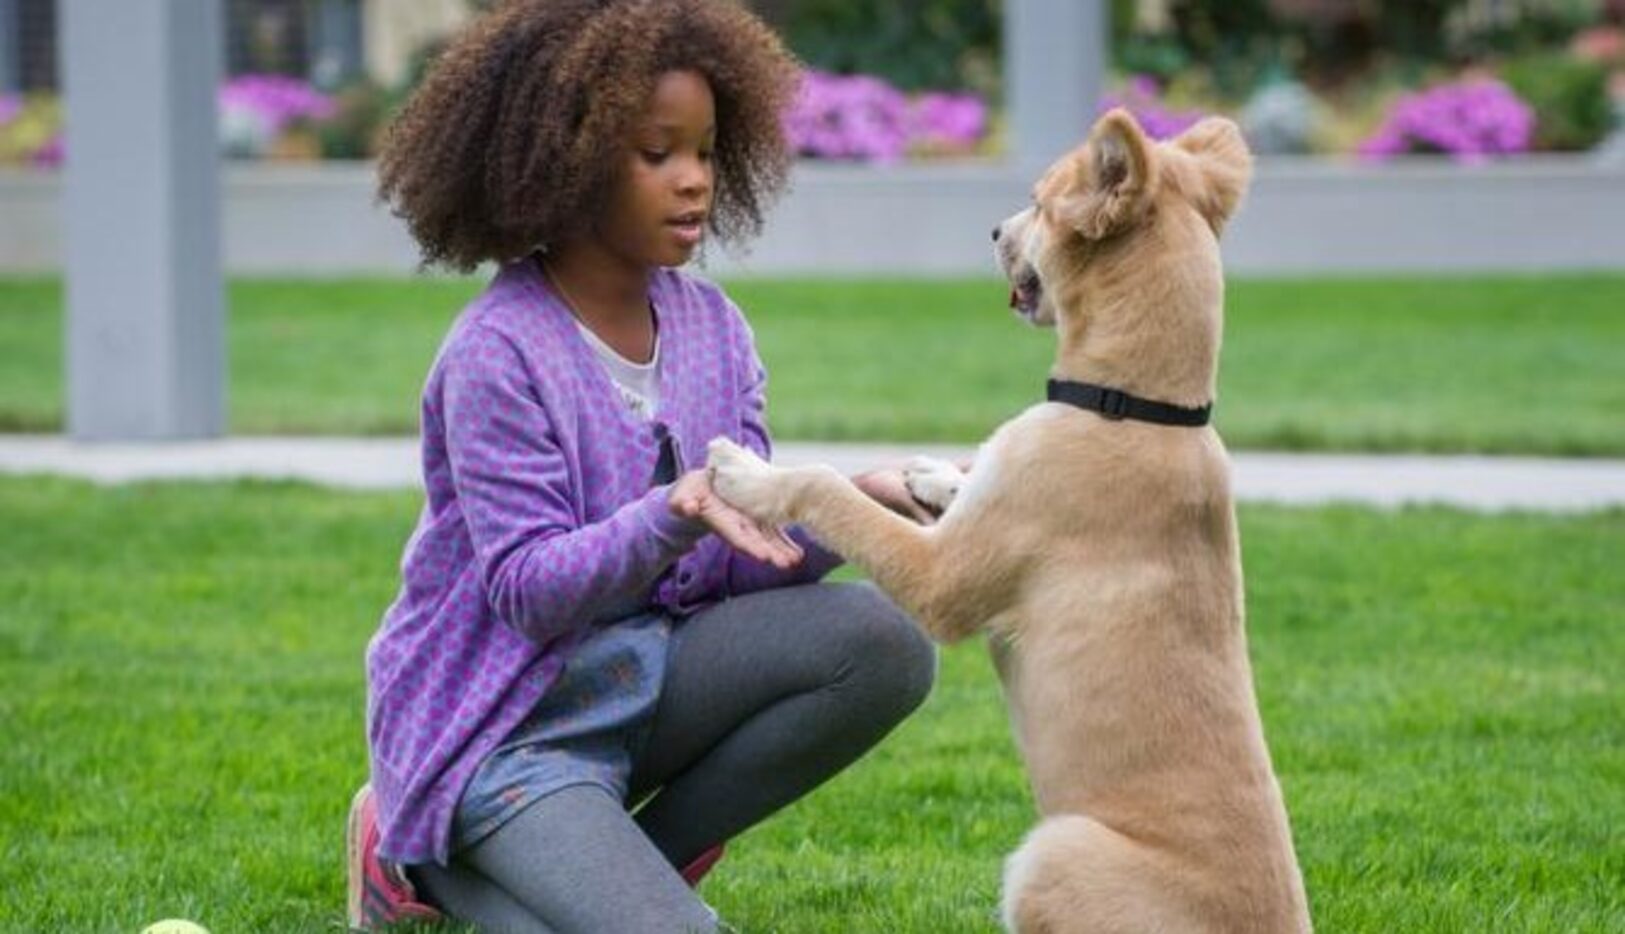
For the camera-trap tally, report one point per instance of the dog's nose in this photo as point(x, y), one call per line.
point(995, 234)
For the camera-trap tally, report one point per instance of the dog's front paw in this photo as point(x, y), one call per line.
point(746, 482)
point(933, 482)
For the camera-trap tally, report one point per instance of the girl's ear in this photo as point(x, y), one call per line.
point(1224, 165)
point(1113, 179)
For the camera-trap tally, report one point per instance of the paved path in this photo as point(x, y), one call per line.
point(1484, 483)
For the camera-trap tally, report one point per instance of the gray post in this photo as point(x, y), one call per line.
point(145, 302)
point(1054, 73)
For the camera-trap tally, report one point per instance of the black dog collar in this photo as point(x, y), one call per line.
point(1116, 404)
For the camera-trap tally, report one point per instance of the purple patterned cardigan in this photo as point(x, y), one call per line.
point(540, 522)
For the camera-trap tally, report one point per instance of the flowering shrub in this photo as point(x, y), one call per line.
point(30, 130)
point(856, 117)
point(861, 117)
point(355, 130)
point(1471, 121)
point(1604, 45)
point(50, 154)
point(275, 100)
point(256, 109)
point(1142, 98)
point(942, 121)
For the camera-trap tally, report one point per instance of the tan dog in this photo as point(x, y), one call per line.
point(1101, 555)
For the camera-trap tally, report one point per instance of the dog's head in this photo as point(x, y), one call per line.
point(1130, 210)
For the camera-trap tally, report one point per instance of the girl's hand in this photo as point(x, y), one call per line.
point(692, 498)
point(886, 487)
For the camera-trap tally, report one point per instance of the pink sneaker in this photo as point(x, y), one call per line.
point(379, 893)
point(695, 871)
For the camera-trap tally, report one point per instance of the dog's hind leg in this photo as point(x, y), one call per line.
point(1074, 874)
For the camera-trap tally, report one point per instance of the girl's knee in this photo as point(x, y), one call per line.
point(889, 645)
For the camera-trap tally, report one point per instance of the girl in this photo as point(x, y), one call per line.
point(595, 671)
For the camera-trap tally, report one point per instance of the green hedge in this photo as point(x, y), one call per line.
point(924, 45)
point(1569, 97)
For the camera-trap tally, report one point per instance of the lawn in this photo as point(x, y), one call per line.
point(181, 723)
point(1528, 365)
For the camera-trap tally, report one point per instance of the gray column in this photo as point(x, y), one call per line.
point(1054, 73)
point(145, 301)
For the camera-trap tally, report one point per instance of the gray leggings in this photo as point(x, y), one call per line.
point(766, 696)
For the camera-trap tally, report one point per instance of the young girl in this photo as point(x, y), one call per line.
point(596, 672)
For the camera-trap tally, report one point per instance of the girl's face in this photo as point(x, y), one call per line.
point(659, 209)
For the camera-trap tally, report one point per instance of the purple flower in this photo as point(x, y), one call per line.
point(274, 101)
point(1470, 121)
point(30, 130)
point(848, 117)
point(50, 155)
point(948, 121)
point(861, 117)
point(1142, 98)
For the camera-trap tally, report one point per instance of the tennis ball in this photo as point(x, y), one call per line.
point(174, 926)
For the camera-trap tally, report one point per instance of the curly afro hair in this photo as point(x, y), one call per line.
point(517, 133)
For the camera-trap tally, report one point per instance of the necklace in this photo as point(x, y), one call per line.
point(575, 312)
point(569, 302)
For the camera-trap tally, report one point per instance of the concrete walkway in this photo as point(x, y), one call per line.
point(1481, 483)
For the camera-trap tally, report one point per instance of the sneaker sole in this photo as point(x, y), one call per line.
point(355, 858)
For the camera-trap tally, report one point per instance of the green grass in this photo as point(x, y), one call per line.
point(1484, 364)
point(181, 723)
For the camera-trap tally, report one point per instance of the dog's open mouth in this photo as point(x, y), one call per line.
point(1025, 294)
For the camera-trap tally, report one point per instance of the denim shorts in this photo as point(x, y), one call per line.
point(581, 732)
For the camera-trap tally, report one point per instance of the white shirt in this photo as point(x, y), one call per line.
point(638, 383)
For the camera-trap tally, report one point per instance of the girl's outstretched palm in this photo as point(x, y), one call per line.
point(692, 498)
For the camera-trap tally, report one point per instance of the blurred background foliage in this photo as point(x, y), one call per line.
point(1310, 76)
point(1304, 75)
point(1347, 60)
point(954, 44)
point(918, 46)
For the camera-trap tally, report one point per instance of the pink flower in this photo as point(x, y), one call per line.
point(50, 155)
point(954, 121)
point(1603, 44)
point(1470, 121)
point(864, 118)
point(1141, 97)
point(848, 117)
point(275, 100)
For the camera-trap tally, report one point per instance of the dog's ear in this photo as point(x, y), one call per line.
point(1114, 180)
point(1223, 164)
